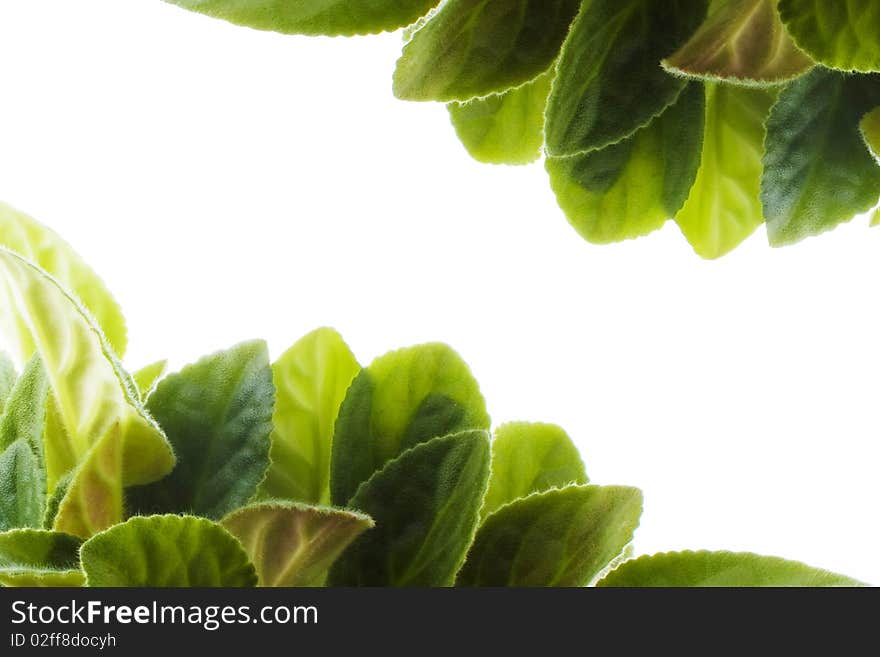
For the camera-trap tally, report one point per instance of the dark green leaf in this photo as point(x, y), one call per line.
point(817, 171)
point(563, 537)
point(294, 544)
point(402, 399)
point(33, 557)
point(840, 34)
point(478, 47)
point(506, 128)
point(726, 569)
point(741, 41)
point(329, 17)
point(633, 187)
point(609, 82)
point(166, 551)
point(426, 505)
point(530, 458)
point(217, 414)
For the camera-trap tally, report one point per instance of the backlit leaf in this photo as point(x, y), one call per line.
point(147, 377)
point(32, 557)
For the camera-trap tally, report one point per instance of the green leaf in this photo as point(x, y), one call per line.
point(841, 34)
point(530, 458)
point(870, 127)
point(32, 557)
point(425, 504)
point(563, 537)
point(875, 219)
point(294, 544)
point(741, 41)
point(609, 82)
point(22, 470)
point(147, 377)
point(817, 172)
point(474, 48)
point(166, 551)
point(506, 128)
point(8, 377)
point(311, 379)
point(403, 398)
point(728, 569)
point(93, 397)
point(633, 187)
point(53, 501)
point(42, 246)
point(723, 208)
point(217, 414)
point(328, 17)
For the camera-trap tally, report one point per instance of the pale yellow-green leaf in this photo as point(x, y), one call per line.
point(91, 392)
point(148, 376)
point(871, 131)
point(42, 246)
point(723, 208)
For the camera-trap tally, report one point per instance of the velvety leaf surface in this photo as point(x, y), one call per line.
point(633, 187)
point(403, 398)
point(294, 544)
point(8, 376)
point(723, 207)
point(727, 569)
point(741, 41)
point(22, 470)
point(870, 126)
point(609, 82)
point(841, 34)
point(817, 171)
point(529, 457)
point(506, 128)
point(147, 377)
point(329, 17)
point(311, 379)
point(217, 414)
point(33, 557)
point(91, 391)
point(478, 47)
point(563, 537)
point(426, 506)
point(42, 246)
point(166, 551)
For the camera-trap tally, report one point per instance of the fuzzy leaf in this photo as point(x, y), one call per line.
point(33, 557)
point(741, 41)
point(723, 207)
point(633, 187)
point(505, 128)
point(474, 48)
point(42, 246)
point(610, 61)
point(870, 126)
point(91, 391)
point(22, 470)
point(328, 17)
point(166, 551)
point(426, 505)
point(839, 34)
point(403, 398)
point(563, 537)
point(817, 171)
point(727, 569)
point(294, 544)
point(217, 414)
point(147, 377)
point(530, 458)
point(8, 377)
point(311, 379)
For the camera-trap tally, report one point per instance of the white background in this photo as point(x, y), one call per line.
point(231, 184)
